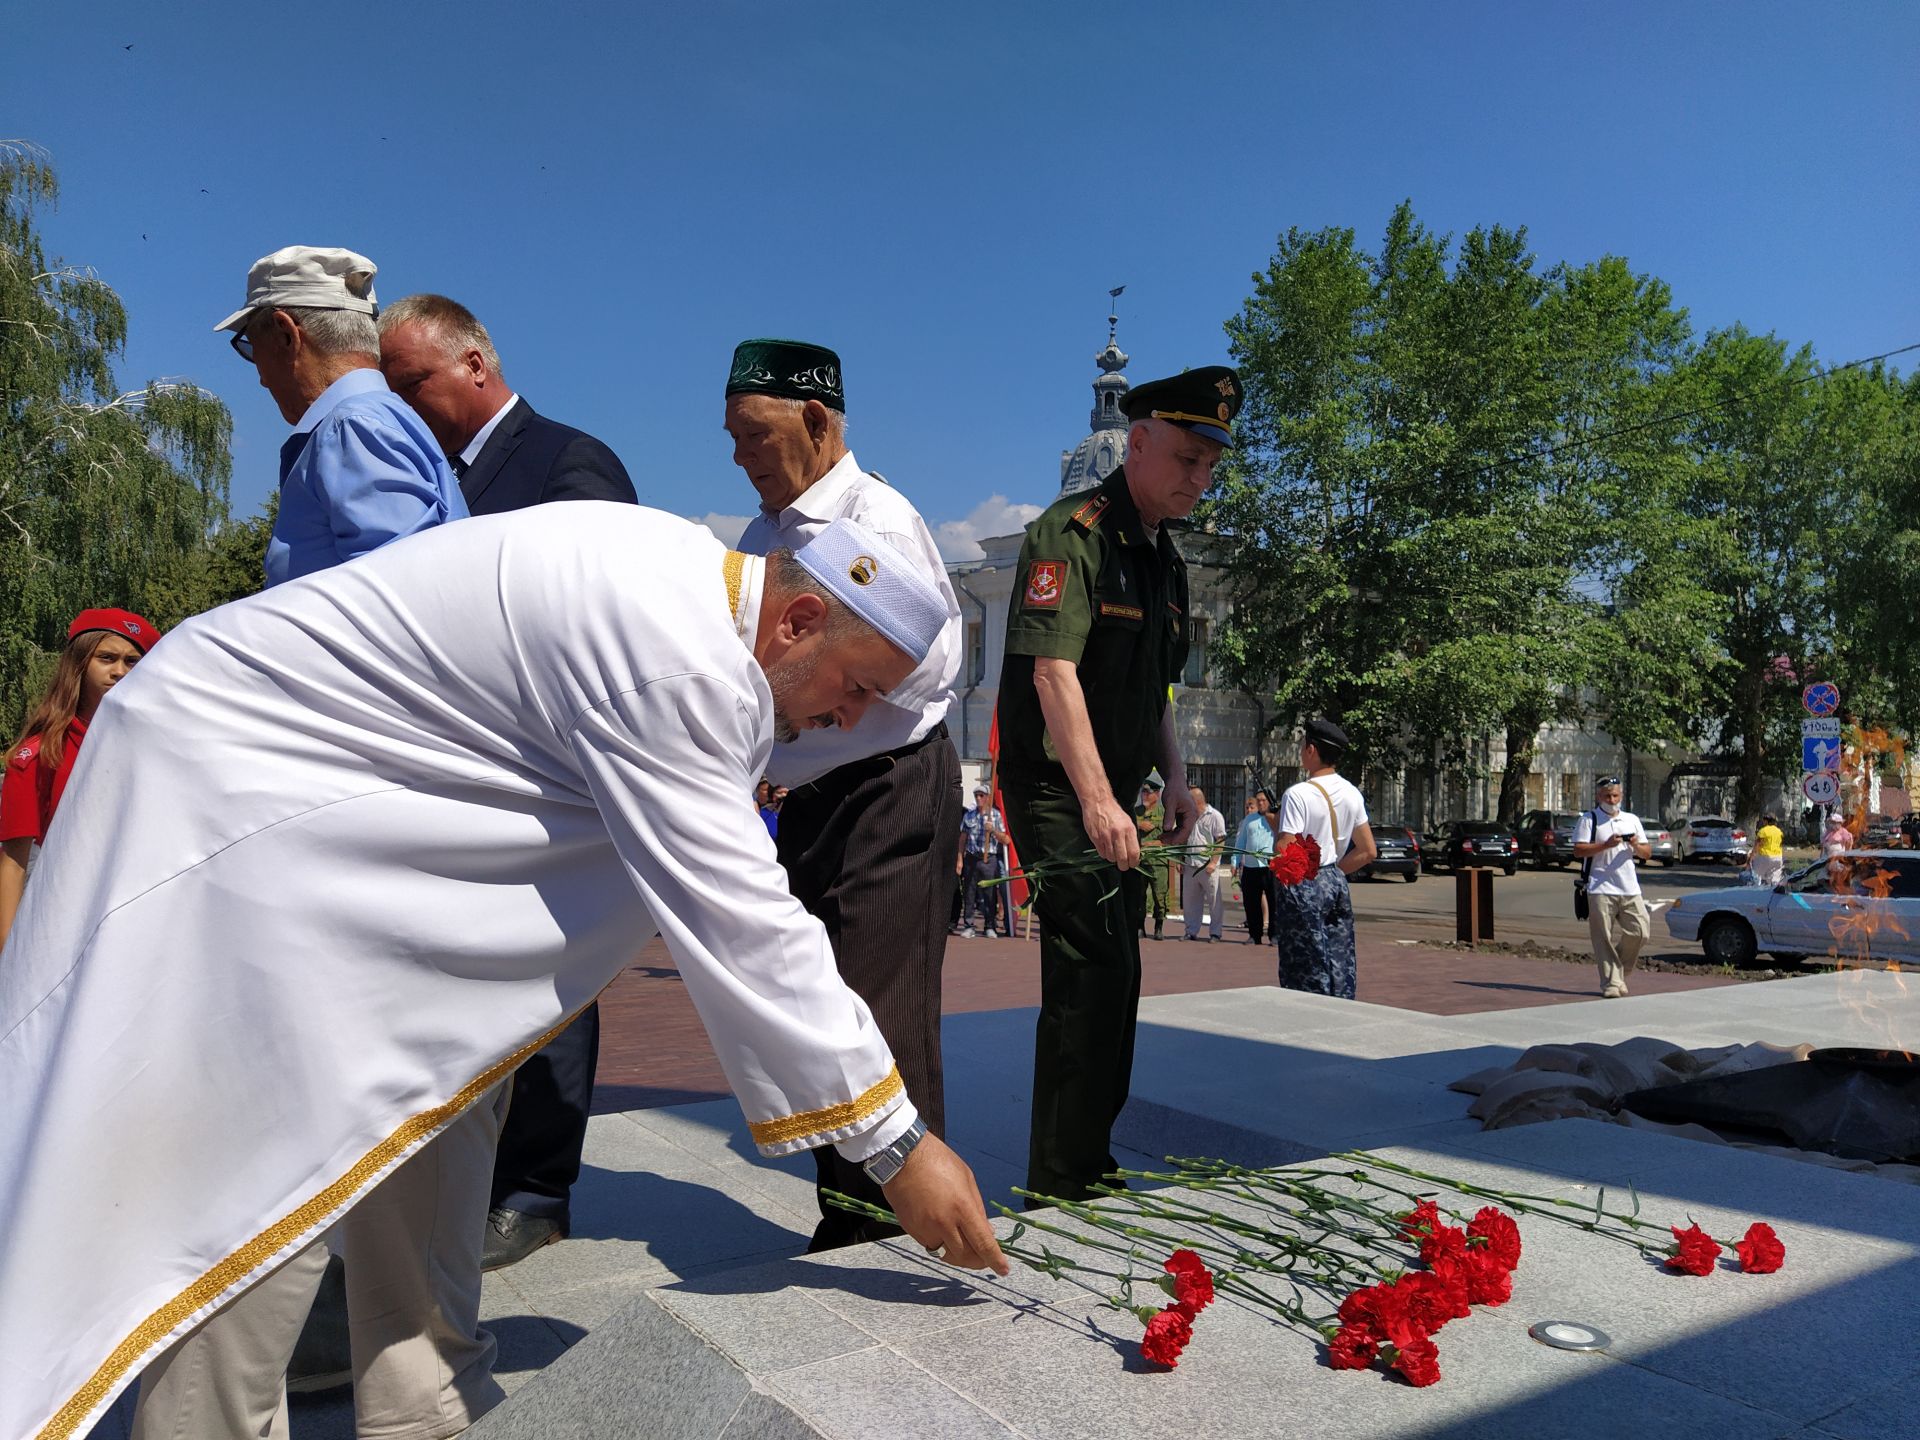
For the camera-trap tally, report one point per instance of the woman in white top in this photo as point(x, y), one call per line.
point(1313, 919)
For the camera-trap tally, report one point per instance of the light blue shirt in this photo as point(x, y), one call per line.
point(360, 469)
point(1253, 841)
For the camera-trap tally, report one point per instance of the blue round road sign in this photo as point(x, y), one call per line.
point(1822, 698)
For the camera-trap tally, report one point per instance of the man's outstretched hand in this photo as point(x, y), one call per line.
point(937, 1202)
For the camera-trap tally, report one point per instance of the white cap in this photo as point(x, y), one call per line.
point(305, 275)
point(878, 584)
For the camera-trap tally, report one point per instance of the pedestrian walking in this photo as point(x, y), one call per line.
point(1253, 853)
point(1313, 920)
point(1608, 840)
point(1096, 638)
point(983, 844)
point(1769, 852)
point(1204, 885)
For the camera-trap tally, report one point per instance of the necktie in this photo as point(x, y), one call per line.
point(459, 467)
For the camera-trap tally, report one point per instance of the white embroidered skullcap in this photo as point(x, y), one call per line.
point(878, 584)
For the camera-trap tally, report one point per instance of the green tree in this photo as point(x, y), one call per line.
point(101, 491)
point(1412, 519)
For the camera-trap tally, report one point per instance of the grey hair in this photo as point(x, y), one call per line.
point(836, 419)
point(787, 577)
point(337, 332)
point(456, 327)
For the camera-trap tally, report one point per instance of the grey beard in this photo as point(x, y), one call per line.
point(783, 679)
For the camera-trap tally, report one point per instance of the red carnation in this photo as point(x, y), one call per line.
point(1695, 1252)
point(1433, 1298)
point(1760, 1250)
point(1188, 1280)
point(1423, 1219)
point(1443, 1243)
point(1419, 1361)
point(1501, 1236)
point(1488, 1281)
point(1299, 861)
point(1352, 1349)
point(1168, 1333)
point(1380, 1310)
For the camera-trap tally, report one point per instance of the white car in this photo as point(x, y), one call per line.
point(1712, 837)
point(1863, 906)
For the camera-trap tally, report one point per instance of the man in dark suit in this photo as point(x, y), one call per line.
point(441, 361)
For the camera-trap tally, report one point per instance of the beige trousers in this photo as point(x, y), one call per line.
point(422, 1366)
point(1618, 925)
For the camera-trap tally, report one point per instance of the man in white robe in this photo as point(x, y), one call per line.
point(341, 854)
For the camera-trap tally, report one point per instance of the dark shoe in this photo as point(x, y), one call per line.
point(511, 1237)
point(322, 1359)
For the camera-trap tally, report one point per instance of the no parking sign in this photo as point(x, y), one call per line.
point(1821, 698)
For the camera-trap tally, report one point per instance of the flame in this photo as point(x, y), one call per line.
point(1865, 885)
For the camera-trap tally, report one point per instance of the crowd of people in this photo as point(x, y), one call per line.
point(340, 870)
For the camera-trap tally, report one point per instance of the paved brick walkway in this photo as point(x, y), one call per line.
point(653, 1051)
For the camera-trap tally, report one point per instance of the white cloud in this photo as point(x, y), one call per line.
point(995, 515)
point(726, 528)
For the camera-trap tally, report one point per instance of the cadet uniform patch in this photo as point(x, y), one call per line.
point(1046, 583)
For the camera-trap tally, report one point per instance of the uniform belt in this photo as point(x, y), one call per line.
point(858, 772)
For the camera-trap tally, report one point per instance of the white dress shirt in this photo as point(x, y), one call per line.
point(334, 859)
point(918, 703)
point(485, 433)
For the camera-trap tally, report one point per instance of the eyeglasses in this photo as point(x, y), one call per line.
point(243, 346)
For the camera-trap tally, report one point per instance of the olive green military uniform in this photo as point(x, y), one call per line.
point(1094, 589)
point(1152, 823)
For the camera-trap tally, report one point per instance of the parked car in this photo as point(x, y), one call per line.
point(1661, 844)
point(1546, 837)
point(1471, 842)
point(1863, 906)
point(1399, 853)
point(1711, 837)
point(1881, 832)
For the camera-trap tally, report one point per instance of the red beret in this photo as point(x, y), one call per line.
point(136, 628)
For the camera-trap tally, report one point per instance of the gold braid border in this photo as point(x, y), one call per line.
point(275, 1237)
point(733, 567)
point(832, 1117)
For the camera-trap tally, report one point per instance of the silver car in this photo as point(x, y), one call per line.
point(1863, 906)
point(1711, 837)
point(1661, 844)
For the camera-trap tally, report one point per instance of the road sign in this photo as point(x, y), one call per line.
point(1819, 752)
point(1821, 788)
point(1821, 698)
point(1828, 728)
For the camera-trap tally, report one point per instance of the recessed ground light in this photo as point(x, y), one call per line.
point(1569, 1335)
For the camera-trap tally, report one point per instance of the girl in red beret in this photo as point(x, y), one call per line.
point(102, 646)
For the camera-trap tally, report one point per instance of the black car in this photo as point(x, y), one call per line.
point(1546, 837)
point(1399, 853)
point(1461, 843)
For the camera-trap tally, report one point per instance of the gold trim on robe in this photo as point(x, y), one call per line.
point(831, 1117)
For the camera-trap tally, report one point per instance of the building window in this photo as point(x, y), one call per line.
point(1195, 677)
point(1570, 796)
point(976, 652)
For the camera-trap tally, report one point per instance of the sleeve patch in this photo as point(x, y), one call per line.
point(1046, 584)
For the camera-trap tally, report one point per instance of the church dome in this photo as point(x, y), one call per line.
point(1105, 448)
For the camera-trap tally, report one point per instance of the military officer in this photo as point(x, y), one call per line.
point(1096, 635)
point(1150, 818)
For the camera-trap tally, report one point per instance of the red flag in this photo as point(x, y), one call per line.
point(1018, 887)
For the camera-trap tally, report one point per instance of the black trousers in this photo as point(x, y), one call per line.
point(546, 1126)
point(1256, 892)
point(868, 850)
point(1089, 995)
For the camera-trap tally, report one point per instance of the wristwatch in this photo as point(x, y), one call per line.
point(885, 1163)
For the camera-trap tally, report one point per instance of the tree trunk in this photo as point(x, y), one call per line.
point(1753, 748)
point(1522, 744)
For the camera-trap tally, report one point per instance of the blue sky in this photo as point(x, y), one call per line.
point(945, 194)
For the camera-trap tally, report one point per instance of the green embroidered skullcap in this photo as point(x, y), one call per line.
point(792, 369)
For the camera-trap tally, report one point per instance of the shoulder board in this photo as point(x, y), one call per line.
point(1088, 515)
